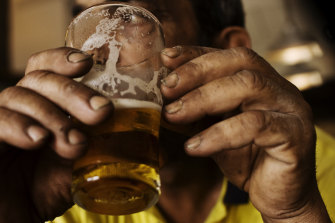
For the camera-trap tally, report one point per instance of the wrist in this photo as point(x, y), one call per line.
point(314, 211)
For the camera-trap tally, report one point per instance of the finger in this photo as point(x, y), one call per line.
point(77, 99)
point(212, 66)
point(266, 130)
point(241, 143)
point(20, 131)
point(64, 60)
point(178, 55)
point(67, 141)
point(245, 90)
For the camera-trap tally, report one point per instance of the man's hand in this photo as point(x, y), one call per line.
point(38, 139)
point(265, 140)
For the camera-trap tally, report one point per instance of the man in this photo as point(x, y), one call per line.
point(240, 117)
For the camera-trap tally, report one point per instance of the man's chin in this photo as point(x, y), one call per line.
point(173, 137)
point(171, 146)
point(188, 130)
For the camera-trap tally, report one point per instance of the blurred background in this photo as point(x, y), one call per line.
point(296, 36)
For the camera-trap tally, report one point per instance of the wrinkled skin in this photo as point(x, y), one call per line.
point(34, 118)
point(263, 140)
point(267, 147)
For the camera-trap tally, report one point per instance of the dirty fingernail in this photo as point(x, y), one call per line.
point(98, 102)
point(75, 137)
point(193, 143)
point(171, 80)
point(174, 107)
point(77, 56)
point(172, 52)
point(37, 133)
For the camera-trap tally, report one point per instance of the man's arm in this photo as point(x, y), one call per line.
point(38, 140)
point(267, 147)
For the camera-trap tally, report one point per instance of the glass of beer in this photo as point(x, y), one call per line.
point(119, 174)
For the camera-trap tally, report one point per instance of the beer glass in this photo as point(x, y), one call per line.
point(119, 174)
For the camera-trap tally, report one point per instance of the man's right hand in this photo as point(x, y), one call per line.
point(38, 140)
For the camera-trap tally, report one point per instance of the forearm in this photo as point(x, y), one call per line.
point(313, 212)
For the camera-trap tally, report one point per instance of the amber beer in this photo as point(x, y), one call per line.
point(119, 174)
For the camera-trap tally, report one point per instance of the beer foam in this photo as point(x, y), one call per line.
point(133, 103)
point(106, 79)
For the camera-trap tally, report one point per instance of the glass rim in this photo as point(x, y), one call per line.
point(116, 3)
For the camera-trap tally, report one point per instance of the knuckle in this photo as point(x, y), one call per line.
point(32, 60)
point(70, 87)
point(192, 67)
point(202, 102)
point(198, 93)
point(198, 51)
point(34, 78)
point(251, 80)
point(9, 94)
point(194, 71)
point(246, 54)
point(255, 120)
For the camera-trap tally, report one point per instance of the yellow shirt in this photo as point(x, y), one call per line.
point(241, 213)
